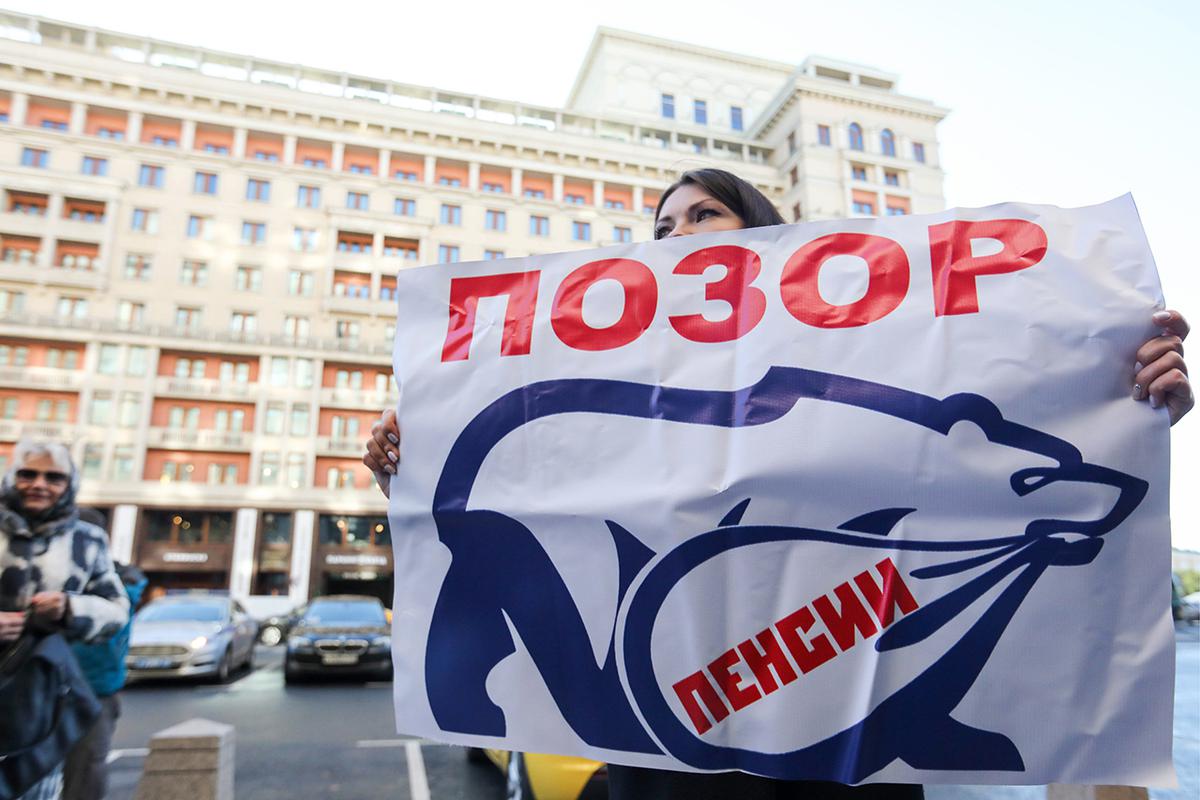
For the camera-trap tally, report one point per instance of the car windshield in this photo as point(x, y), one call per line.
point(344, 613)
point(183, 611)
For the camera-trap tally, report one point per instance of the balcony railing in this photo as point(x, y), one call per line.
point(41, 377)
point(340, 446)
point(14, 429)
point(357, 398)
point(359, 305)
point(186, 438)
point(204, 387)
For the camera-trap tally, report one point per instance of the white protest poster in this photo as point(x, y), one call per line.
point(855, 500)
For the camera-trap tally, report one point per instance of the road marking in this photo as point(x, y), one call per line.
point(418, 783)
point(136, 752)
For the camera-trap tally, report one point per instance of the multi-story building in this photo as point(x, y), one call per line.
point(199, 252)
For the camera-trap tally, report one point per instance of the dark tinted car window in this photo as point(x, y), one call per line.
point(188, 611)
point(344, 613)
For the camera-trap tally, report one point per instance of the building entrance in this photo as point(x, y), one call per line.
point(371, 584)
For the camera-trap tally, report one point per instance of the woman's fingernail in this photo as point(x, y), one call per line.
point(1154, 402)
point(389, 469)
point(1137, 391)
point(1161, 316)
point(393, 438)
point(1137, 368)
point(392, 455)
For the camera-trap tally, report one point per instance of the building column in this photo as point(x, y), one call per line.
point(289, 149)
point(19, 108)
point(78, 122)
point(302, 547)
point(430, 168)
point(241, 569)
point(385, 163)
point(557, 193)
point(239, 142)
point(133, 127)
point(516, 181)
point(120, 539)
point(473, 176)
point(598, 194)
point(339, 156)
point(187, 136)
point(639, 198)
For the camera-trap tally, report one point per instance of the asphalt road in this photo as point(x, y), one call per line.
point(337, 740)
point(332, 739)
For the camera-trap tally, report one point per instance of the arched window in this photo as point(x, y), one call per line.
point(887, 142)
point(856, 139)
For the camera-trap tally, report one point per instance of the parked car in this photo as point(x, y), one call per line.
point(275, 616)
point(339, 635)
point(191, 635)
point(537, 776)
point(1189, 609)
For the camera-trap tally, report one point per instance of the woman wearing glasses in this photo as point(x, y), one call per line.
point(55, 571)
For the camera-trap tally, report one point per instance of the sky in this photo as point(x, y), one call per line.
point(1060, 102)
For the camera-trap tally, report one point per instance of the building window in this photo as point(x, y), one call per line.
point(346, 329)
point(446, 180)
point(268, 470)
point(581, 231)
point(539, 226)
point(137, 267)
point(100, 409)
point(919, 152)
point(193, 273)
point(359, 201)
point(616, 205)
point(273, 419)
point(451, 215)
point(796, 212)
point(495, 220)
point(700, 112)
point(824, 138)
point(219, 149)
point(129, 413)
point(405, 207)
point(187, 318)
point(243, 322)
point(622, 234)
point(361, 169)
point(858, 173)
point(248, 279)
point(294, 473)
point(315, 163)
point(205, 183)
point(447, 253)
point(258, 190)
point(794, 175)
point(864, 208)
point(144, 221)
point(235, 372)
point(121, 467)
point(199, 227)
point(9, 408)
point(300, 283)
point(95, 166)
point(308, 197)
point(891, 178)
point(298, 423)
point(33, 157)
point(896, 211)
point(495, 188)
point(735, 117)
point(107, 360)
point(150, 176)
point(280, 370)
point(668, 106)
point(296, 327)
point(72, 307)
point(887, 142)
point(131, 314)
point(11, 302)
point(404, 175)
point(791, 143)
point(264, 155)
point(353, 531)
point(304, 240)
point(536, 194)
point(138, 362)
point(856, 136)
point(164, 141)
point(575, 199)
point(493, 255)
point(254, 233)
point(190, 368)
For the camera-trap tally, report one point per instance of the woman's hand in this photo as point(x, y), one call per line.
point(383, 450)
point(48, 607)
point(1160, 375)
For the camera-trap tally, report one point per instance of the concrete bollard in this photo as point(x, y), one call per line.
point(189, 761)
point(1060, 791)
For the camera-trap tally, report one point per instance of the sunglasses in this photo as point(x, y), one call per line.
point(52, 478)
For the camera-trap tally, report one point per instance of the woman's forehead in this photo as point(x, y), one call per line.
point(41, 461)
point(684, 198)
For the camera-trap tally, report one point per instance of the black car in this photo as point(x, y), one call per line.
point(340, 635)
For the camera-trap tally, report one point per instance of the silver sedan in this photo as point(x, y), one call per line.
point(191, 635)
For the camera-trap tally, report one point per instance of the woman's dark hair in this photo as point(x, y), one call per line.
point(751, 205)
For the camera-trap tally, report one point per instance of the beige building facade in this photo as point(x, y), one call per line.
point(198, 254)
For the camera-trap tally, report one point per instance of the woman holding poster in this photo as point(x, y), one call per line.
point(710, 201)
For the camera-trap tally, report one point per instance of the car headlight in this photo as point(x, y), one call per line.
point(198, 642)
point(382, 643)
point(299, 643)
